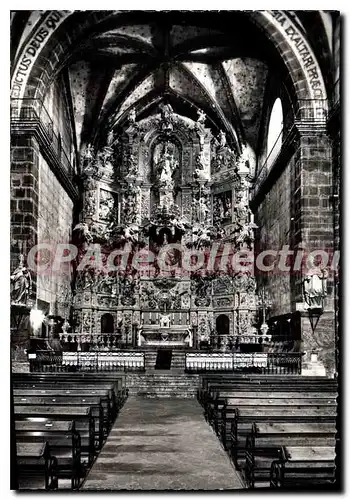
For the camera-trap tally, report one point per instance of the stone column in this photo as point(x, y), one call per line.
point(313, 227)
point(24, 221)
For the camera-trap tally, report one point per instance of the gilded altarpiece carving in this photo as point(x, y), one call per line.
point(164, 180)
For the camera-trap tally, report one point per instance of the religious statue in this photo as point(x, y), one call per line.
point(165, 168)
point(315, 288)
point(106, 204)
point(22, 281)
point(88, 153)
point(110, 138)
point(132, 166)
point(228, 209)
point(201, 117)
point(166, 173)
point(203, 210)
point(222, 139)
point(200, 173)
point(168, 118)
point(166, 112)
point(89, 204)
point(132, 116)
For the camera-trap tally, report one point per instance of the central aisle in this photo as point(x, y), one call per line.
point(162, 444)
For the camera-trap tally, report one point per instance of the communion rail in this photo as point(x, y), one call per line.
point(53, 361)
point(269, 363)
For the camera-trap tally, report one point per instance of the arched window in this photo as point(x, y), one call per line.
point(274, 135)
point(107, 323)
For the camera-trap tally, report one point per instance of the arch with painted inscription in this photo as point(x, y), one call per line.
point(57, 26)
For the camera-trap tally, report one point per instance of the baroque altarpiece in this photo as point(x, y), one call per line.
point(169, 187)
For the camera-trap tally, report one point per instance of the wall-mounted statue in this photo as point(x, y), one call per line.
point(21, 283)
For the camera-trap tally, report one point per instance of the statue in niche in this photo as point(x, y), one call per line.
point(315, 288)
point(167, 171)
point(165, 167)
point(228, 209)
point(21, 283)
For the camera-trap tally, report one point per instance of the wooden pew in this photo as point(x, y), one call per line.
point(117, 398)
point(243, 418)
point(118, 380)
point(220, 388)
point(102, 423)
point(82, 415)
point(304, 467)
point(107, 399)
point(265, 442)
point(63, 443)
point(37, 467)
point(223, 414)
point(216, 399)
point(212, 381)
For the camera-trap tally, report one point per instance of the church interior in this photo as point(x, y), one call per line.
point(175, 201)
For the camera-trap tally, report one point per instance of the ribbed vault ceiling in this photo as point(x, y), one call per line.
point(138, 65)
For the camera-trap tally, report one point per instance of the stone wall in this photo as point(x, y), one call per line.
point(24, 195)
point(273, 218)
point(54, 226)
point(298, 211)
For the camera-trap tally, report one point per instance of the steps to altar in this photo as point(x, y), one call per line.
point(163, 384)
point(177, 359)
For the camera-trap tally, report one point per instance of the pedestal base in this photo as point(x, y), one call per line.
point(313, 368)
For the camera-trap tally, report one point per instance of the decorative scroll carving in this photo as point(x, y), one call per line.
point(130, 204)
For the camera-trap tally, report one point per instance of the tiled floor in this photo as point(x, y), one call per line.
point(162, 444)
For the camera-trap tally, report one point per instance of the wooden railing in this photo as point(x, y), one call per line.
point(275, 363)
point(53, 361)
